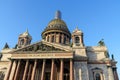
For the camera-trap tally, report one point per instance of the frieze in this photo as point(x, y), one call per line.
point(42, 56)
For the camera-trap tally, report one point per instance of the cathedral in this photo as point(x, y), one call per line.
point(60, 55)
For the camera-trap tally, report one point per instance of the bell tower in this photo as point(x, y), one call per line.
point(24, 39)
point(77, 38)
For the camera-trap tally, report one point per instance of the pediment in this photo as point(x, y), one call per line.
point(40, 47)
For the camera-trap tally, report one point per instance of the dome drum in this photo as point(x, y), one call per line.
point(57, 37)
point(55, 31)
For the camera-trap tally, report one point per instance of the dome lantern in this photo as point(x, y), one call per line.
point(58, 15)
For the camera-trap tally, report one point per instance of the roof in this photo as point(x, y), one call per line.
point(25, 34)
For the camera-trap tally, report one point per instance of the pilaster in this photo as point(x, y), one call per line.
point(115, 73)
point(110, 73)
point(81, 71)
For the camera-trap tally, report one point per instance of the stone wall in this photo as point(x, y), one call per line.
point(100, 66)
point(81, 71)
point(80, 51)
point(96, 53)
point(5, 57)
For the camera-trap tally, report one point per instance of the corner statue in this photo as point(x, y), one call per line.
point(101, 43)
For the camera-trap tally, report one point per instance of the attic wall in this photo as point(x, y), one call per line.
point(96, 53)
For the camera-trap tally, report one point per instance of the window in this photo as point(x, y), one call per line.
point(2, 75)
point(97, 76)
point(22, 42)
point(77, 40)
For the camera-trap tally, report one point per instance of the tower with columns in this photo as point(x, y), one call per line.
point(24, 39)
point(77, 37)
point(57, 57)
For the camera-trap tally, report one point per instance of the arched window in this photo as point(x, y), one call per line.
point(22, 42)
point(97, 76)
point(77, 40)
point(29, 42)
point(2, 75)
point(53, 39)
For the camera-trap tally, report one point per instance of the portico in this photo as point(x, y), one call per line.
point(45, 67)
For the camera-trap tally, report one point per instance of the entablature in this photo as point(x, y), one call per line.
point(42, 56)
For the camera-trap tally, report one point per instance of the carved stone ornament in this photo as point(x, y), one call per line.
point(39, 47)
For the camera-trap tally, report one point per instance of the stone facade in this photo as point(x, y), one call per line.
point(56, 58)
point(81, 71)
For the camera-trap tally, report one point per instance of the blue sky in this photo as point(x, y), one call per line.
point(96, 18)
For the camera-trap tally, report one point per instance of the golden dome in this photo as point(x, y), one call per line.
point(57, 21)
point(56, 25)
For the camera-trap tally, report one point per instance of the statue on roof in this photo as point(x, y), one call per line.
point(112, 57)
point(101, 43)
